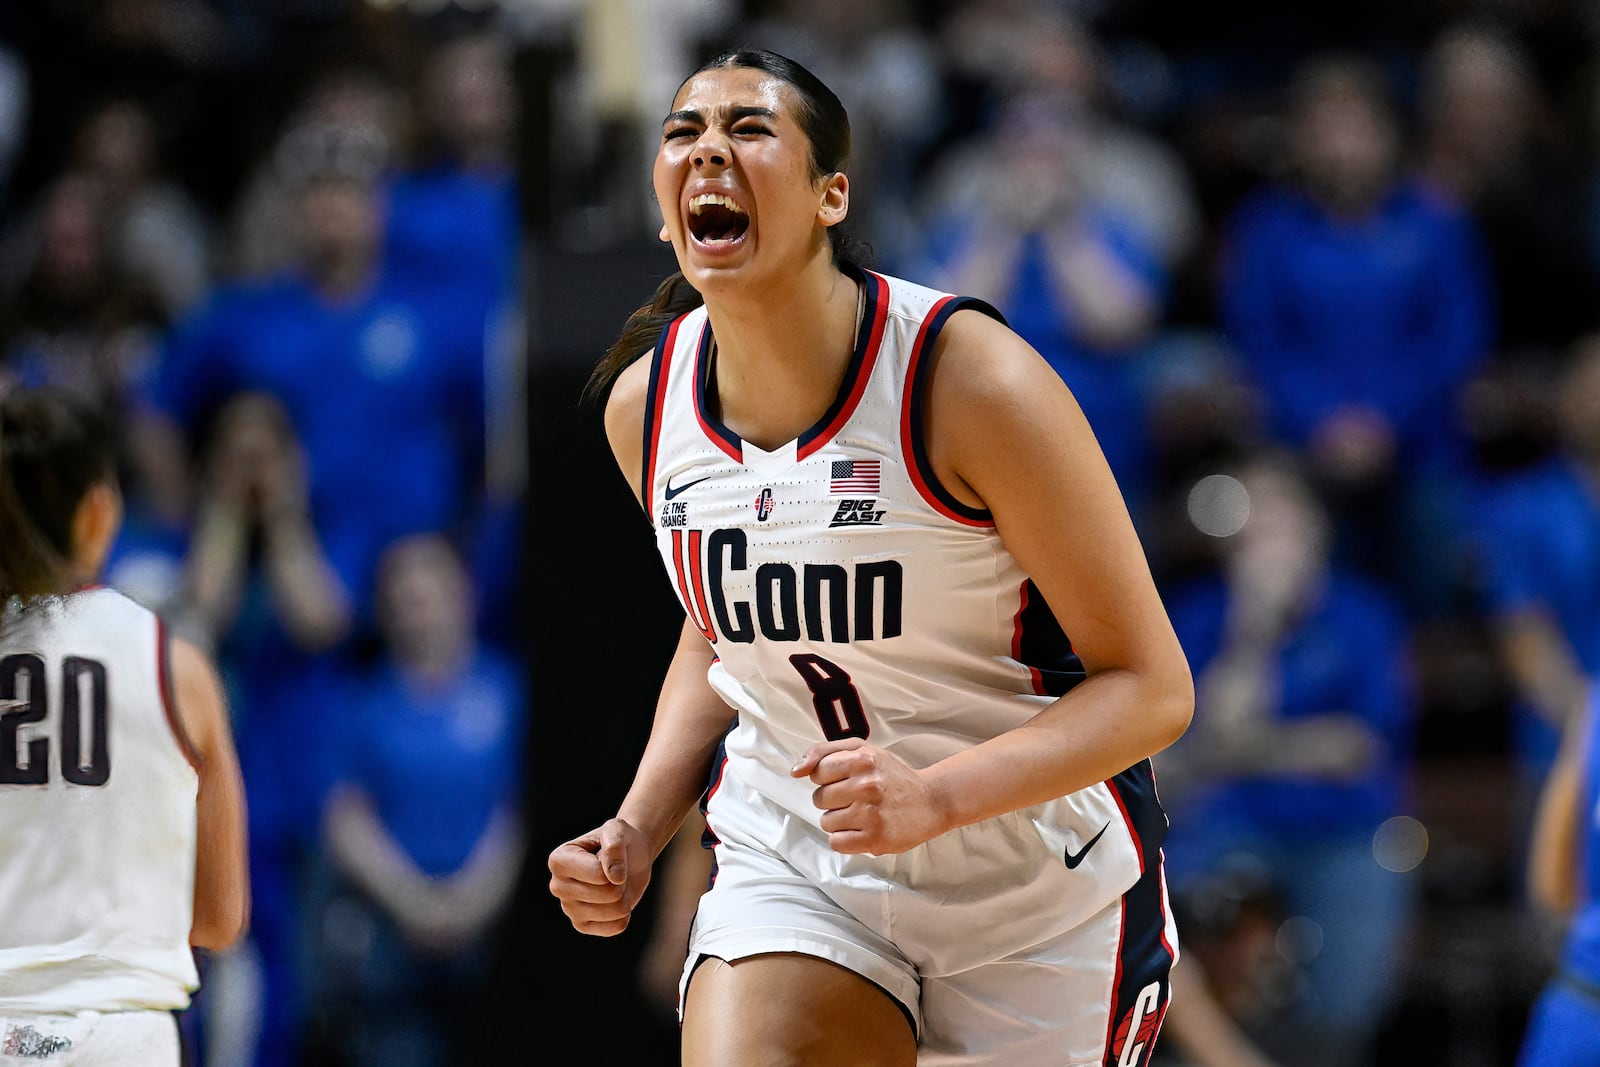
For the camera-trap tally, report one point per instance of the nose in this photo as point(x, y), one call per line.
point(711, 150)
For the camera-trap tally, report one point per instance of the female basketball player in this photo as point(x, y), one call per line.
point(936, 833)
point(122, 840)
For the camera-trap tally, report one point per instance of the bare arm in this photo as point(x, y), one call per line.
point(363, 851)
point(986, 263)
point(1559, 823)
point(437, 913)
point(315, 607)
point(690, 718)
point(1201, 1028)
point(683, 881)
point(1113, 305)
point(1543, 666)
point(215, 569)
point(600, 876)
point(221, 875)
point(481, 889)
point(1061, 515)
point(309, 594)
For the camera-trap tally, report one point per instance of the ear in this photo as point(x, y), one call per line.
point(664, 235)
point(835, 199)
point(94, 527)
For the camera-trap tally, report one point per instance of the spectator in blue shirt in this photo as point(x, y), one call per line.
point(1080, 284)
point(259, 590)
point(453, 215)
point(1564, 877)
point(423, 828)
point(382, 377)
point(1361, 303)
point(454, 229)
point(1300, 747)
point(1537, 542)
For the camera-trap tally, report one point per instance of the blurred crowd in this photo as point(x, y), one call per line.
point(1325, 278)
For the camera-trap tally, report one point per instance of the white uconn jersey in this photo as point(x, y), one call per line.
point(97, 811)
point(848, 594)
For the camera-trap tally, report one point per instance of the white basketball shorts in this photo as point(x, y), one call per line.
point(971, 933)
point(90, 1039)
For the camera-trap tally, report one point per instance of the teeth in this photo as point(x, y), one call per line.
point(705, 200)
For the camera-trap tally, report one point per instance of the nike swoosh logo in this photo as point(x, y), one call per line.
point(1074, 858)
point(671, 492)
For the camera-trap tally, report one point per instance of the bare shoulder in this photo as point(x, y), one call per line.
point(991, 394)
point(202, 707)
point(980, 360)
point(625, 419)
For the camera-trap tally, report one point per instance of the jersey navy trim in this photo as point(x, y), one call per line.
point(1144, 955)
point(1135, 793)
point(862, 359)
point(913, 440)
point(708, 838)
point(1144, 959)
point(705, 365)
point(654, 400)
point(1039, 644)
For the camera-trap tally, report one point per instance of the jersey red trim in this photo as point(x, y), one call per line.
point(1138, 850)
point(655, 401)
point(1116, 981)
point(1140, 959)
point(169, 702)
point(1127, 820)
point(1016, 640)
point(877, 306)
point(1157, 855)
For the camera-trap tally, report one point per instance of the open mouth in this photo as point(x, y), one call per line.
point(716, 219)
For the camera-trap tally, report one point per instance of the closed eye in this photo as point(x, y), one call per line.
point(753, 129)
point(674, 134)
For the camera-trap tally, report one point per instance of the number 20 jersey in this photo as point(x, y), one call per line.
point(97, 811)
point(847, 593)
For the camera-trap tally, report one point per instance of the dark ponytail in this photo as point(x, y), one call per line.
point(672, 298)
point(53, 449)
point(822, 118)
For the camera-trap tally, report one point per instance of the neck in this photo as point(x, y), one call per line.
point(1350, 202)
point(1588, 461)
point(792, 340)
point(433, 662)
point(482, 156)
point(341, 277)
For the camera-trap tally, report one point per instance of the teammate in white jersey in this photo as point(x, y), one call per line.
point(122, 833)
point(933, 821)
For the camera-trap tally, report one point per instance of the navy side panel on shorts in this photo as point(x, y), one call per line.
point(708, 840)
point(1141, 990)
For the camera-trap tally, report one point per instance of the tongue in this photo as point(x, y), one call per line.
point(720, 224)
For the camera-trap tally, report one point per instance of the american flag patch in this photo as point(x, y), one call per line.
point(854, 476)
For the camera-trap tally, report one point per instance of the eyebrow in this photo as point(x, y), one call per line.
point(744, 111)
